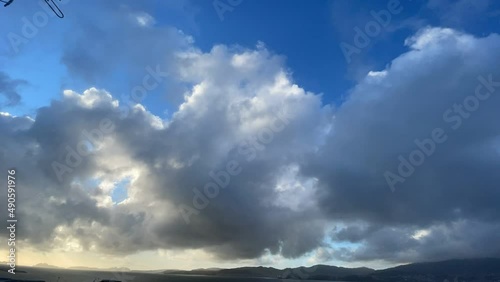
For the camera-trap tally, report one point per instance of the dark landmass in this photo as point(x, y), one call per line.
point(117, 269)
point(288, 273)
point(45, 265)
point(458, 270)
point(487, 269)
point(454, 267)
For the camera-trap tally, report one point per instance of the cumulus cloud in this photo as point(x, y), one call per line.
point(121, 40)
point(325, 167)
point(234, 95)
point(384, 115)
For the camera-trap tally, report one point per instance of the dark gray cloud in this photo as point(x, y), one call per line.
point(121, 40)
point(320, 169)
point(381, 120)
point(462, 239)
point(9, 89)
point(165, 160)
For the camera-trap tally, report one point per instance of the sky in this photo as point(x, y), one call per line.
point(190, 134)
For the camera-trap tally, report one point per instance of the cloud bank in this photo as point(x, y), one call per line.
point(318, 179)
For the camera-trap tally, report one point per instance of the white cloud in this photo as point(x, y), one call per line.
point(321, 167)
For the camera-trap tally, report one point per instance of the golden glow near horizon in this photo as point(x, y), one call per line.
point(158, 260)
point(147, 260)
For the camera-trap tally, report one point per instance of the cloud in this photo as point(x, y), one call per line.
point(9, 89)
point(381, 120)
point(120, 41)
point(325, 167)
point(457, 239)
point(234, 94)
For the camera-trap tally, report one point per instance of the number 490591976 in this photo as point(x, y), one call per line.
point(11, 192)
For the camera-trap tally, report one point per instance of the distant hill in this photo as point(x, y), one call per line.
point(45, 265)
point(325, 272)
point(318, 271)
point(117, 269)
point(112, 269)
point(466, 269)
point(487, 269)
point(251, 272)
point(241, 271)
point(448, 267)
point(201, 271)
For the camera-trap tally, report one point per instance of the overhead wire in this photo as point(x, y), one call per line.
point(7, 2)
point(53, 6)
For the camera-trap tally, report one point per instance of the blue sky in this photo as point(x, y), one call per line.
point(308, 34)
point(220, 77)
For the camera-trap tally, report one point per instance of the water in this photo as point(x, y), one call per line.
point(60, 275)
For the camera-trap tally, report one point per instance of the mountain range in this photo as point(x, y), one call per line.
point(485, 269)
point(456, 270)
